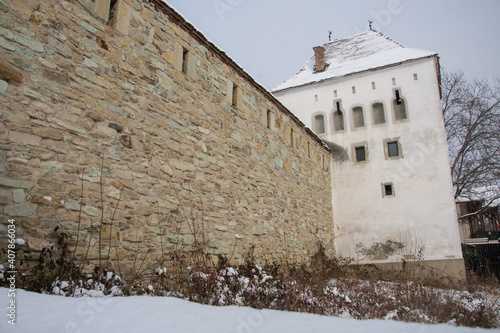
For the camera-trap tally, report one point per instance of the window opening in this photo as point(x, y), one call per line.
point(399, 107)
point(388, 190)
point(353, 89)
point(112, 5)
point(360, 154)
point(373, 86)
point(319, 124)
point(378, 113)
point(185, 56)
point(415, 77)
point(393, 149)
point(236, 95)
point(398, 98)
point(338, 118)
point(358, 119)
point(268, 119)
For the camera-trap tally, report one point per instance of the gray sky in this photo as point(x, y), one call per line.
point(272, 39)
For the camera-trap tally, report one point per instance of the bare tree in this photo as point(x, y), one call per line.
point(471, 112)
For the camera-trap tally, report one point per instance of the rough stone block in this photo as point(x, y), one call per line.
point(51, 184)
point(88, 27)
point(25, 138)
point(3, 86)
point(38, 245)
point(24, 209)
point(16, 183)
point(18, 195)
point(107, 231)
point(49, 133)
point(86, 74)
point(29, 42)
point(92, 211)
point(10, 73)
point(6, 45)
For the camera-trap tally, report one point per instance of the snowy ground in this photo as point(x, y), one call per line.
point(49, 313)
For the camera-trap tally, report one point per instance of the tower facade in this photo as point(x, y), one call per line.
point(377, 105)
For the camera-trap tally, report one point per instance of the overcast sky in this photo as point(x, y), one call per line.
point(272, 39)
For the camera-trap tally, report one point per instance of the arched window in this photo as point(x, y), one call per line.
point(399, 107)
point(338, 118)
point(269, 118)
point(378, 114)
point(319, 124)
point(358, 119)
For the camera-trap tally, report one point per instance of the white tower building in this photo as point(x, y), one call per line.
point(377, 104)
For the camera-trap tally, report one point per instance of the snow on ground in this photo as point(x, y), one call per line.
point(37, 313)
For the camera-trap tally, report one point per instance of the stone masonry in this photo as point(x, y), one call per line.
point(170, 142)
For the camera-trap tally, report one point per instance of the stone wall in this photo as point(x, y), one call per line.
point(170, 142)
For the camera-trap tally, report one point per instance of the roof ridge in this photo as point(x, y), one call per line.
point(388, 38)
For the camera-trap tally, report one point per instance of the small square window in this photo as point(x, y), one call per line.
point(360, 154)
point(392, 148)
point(415, 77)
point(388, 190)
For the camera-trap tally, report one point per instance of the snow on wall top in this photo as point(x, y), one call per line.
point(364, 51)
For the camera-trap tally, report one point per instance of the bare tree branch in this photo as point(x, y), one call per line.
point(471, 111)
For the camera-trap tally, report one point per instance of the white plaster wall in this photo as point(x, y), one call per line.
point(422, 212)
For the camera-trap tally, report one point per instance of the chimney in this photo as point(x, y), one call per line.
point(319, 55)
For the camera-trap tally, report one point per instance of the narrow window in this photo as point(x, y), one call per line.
point(398, 98)
point(236, 97)
point(415, 77)
point(319, 124)
point(291, 137)
point(373, 86)
point(353, 89)
point(315, 98)
point(335, 93)
point(378, 114)
point(338, 118)
point(392, 148)
point(268, 119)
point(393, 81)
point(399, 107)
point(357, 116)
point(185, 62)
point(387, 190)
point(112, 5)
point(308, 149)
point(360, 154)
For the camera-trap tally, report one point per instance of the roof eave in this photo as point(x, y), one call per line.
point(363, 71)
point(178, 20)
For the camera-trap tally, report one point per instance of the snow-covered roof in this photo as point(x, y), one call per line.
point(490, 195)
point(344, 56)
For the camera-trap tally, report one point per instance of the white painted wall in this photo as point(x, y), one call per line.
point(422, 212)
